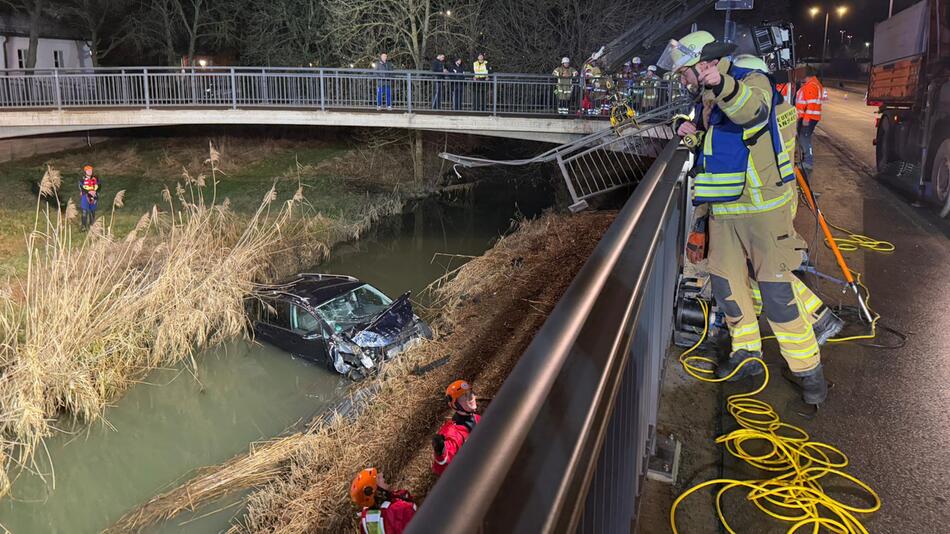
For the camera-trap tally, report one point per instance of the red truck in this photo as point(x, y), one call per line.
point(910, 70)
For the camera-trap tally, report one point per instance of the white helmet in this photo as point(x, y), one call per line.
point(565, 60)
point(636, 60)
point(652, 68)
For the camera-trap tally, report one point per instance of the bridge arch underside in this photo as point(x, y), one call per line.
point(38, 122)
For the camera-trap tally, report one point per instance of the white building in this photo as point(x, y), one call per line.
point(58, 47)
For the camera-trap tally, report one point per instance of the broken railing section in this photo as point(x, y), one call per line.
point(606, 160)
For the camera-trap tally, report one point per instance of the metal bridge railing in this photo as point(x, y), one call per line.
point(318, 88)
point(564, 444)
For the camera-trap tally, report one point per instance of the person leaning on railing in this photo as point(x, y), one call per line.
point(566, 74)
point(458, 86)
point(384, 82)
point(480, 93)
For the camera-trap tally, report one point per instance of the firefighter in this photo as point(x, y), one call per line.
point(445, 445)
point(565, 84)
point(808, 101)
point(649, 82)
point(89, 196)
point(744, 184)
point(385, 511)
point(596, 88)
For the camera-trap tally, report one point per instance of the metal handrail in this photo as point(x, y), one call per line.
point(312, 87)
point(544, 457)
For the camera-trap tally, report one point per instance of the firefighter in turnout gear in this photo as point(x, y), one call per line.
point(454, 432)
point(650, 84)
point(745, 183)
point(565, 74)
point(385, 511)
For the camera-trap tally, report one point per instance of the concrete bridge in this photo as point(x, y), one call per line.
point(502, 105)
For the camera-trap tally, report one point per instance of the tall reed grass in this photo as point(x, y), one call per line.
point(92, 315)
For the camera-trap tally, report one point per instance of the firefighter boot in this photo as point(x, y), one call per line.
point(813, 384)
point(735, 359)
point(827, 326)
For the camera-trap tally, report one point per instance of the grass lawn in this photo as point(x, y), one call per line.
point(144, 167)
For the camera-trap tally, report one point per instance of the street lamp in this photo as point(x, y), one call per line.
point(841, 10)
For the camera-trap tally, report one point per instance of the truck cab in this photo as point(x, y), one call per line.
point(909, 86)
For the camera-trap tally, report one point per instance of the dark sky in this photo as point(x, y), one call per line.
point(859, 20)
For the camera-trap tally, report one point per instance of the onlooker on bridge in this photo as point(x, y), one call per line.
point(385, 511)
point(808, 102)
point(480, 93)
point(565, 85)
point(458, 86)
point(454, 432)
point(438, 65)
point(89, 196)
point(384, 82)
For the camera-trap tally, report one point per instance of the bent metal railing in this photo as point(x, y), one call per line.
point(318, 88)
point(563, 446)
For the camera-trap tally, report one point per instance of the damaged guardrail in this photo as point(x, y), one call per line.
point(564, 444)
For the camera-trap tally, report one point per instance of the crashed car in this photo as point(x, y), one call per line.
point(337, 321)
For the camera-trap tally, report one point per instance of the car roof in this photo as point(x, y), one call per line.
point(313, 289)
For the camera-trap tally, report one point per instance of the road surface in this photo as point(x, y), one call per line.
point(850, 122)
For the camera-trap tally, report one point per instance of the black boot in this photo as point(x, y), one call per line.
point(813, 384)
point(827, 326)
point(750, 369)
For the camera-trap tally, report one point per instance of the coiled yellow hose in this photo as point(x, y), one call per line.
point(801, 466)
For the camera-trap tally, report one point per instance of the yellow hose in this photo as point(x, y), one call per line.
point(795, 494)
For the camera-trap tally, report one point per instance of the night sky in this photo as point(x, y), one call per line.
point(858, 21)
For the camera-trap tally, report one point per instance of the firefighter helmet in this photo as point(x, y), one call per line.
point(693, 48)
point(457, 390)
point(363, 488)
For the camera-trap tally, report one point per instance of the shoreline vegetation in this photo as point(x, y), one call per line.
point(158, 277)
point(488, 311)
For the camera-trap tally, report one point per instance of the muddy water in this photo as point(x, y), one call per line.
point(242, 391)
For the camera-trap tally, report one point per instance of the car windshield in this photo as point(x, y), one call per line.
point(354, 308)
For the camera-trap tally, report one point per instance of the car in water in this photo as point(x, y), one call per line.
point(338, 321)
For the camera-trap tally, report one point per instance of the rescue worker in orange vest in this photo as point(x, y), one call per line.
point(385, 511)
point(744, 136)
point(89, 196)
point(454, 433)
point(808, 102)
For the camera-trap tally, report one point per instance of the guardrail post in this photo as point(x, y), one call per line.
point(409, 91)
point(233, 89)
point(59, 101)
point(323, 105)
point(145, 86)
point(125, 86)
point(494, 100)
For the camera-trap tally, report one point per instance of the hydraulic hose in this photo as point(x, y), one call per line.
point(801, 467)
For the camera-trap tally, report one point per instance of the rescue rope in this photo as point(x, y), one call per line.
point(796, 493)
point(857, 241)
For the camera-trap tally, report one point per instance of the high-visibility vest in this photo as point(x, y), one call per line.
point(808, 100)
point(372, 522)
point(724, 163)
point(481, 70)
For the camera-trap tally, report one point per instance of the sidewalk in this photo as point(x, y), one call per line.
point(888, 408)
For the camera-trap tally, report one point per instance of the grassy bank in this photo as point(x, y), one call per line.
point(488, 314)
point(165, 270)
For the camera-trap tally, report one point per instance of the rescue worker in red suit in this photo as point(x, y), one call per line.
point(89, 196)
point(385, 511)
point(454, 432)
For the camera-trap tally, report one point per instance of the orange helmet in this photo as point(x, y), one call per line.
point(87, 168)
point(363, 488)
point(456, 390)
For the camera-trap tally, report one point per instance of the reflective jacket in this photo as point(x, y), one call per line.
point(391, 517)
point(565, 80)
point(481, 70)
point(808, 100)
point(455, 432)
point(745, 164)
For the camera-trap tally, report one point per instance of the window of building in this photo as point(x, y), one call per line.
point(58, 59)
point(21, 58)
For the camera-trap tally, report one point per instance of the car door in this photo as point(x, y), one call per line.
point(309, 334)
point(273, 323)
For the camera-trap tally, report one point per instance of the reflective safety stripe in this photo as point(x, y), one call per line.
point(442, 462)
point(739, 331)
point(744, 95)
point(741, 208)
point(372, 522)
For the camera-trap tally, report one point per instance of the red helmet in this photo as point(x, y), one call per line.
point(86, 168)
point(363, 488)
point(457, 390)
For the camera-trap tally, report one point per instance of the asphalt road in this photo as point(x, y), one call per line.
point(847, 119)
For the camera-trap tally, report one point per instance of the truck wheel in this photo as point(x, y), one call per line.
point(883, 148)
point(940, 177)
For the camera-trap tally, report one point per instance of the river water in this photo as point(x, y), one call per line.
point(177, 420)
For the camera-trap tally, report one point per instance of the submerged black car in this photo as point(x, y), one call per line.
point(337, 321)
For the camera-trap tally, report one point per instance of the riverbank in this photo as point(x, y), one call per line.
point(489, 313)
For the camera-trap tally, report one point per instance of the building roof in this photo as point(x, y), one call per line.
point(18, 25)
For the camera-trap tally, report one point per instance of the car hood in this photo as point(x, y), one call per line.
point(387, 325)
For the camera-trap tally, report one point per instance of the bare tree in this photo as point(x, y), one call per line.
point(173, 25)
point(204, 20)
point(361, 29)
point(285, 32)
point(34, 10)
point(105, 22)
